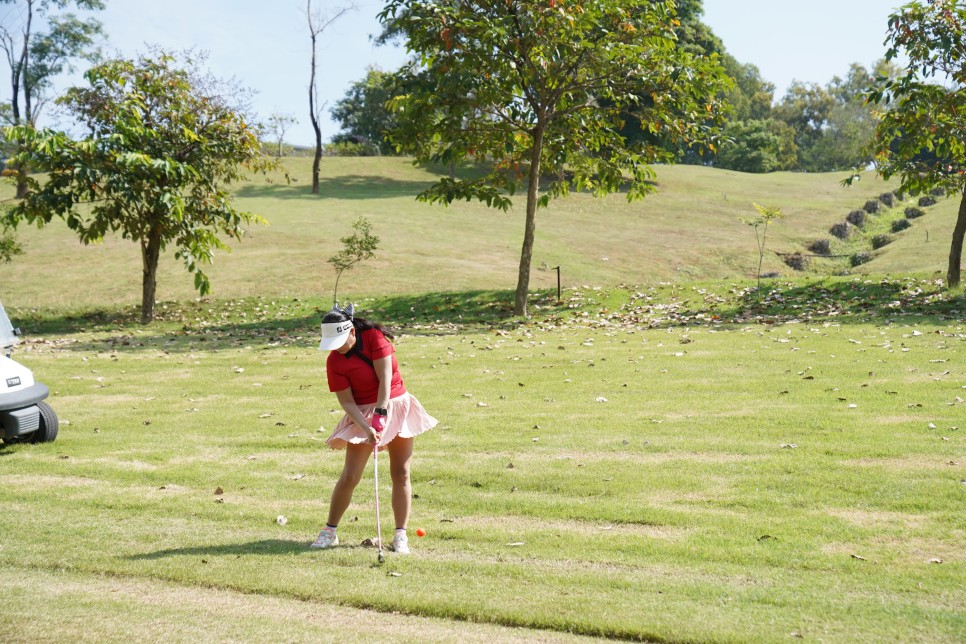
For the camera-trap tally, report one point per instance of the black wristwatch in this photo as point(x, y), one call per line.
point(382, 411)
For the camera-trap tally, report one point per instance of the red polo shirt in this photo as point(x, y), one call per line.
point(352, 372)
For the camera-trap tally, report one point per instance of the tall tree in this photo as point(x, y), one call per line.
point(543, 89)
point(806, 108)
point(318, 21)
point(163, 144)
point(921, 138)
point(364, 114)
point(38, 45)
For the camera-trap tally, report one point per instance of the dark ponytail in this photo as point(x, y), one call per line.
point(360, 324)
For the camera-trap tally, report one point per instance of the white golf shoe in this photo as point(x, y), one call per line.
point(400, 543)
point(327, 539)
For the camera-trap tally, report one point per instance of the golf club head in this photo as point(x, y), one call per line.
point(382, 559)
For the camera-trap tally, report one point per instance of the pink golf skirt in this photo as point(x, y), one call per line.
point(407, 419)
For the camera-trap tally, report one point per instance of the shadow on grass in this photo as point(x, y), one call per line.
point(263, 547)
point(214, 325)
point(269, 322)
point(854, 301)
point(341, 187)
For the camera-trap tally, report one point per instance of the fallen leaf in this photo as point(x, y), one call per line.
point(859, 558)
point(394, 574)
point(219, 491)
point(516, 543)
point(936, 560)
point(281, 520)
point(600, 399)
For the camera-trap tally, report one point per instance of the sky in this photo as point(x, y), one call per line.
point(265, 44)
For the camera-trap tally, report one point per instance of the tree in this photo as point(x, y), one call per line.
point(318, 21)
point(278, 124)
point(806, 108)
point(542, 89)
point(363, 113)
point(757, 146)
point(163, 144)
point(921, 138)
point(35, 56)
point(357, 247)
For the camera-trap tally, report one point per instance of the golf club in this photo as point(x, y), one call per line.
point(375, 467)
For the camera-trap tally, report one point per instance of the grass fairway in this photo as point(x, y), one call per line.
point(668, 464)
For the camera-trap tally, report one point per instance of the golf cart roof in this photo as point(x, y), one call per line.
point(8, 336)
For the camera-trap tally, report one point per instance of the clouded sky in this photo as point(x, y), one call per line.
point(265, 43)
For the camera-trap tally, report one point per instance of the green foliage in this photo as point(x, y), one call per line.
point(920, 137)
point(766, 215)
point(9, 246)
point(757, 146)
point(35, 55)
point(552, 102)
point(363, 113)
point(357, 247)
point(163, 145)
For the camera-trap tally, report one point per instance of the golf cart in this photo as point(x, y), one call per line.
point(24, 416)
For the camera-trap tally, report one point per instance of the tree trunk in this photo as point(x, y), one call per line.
point(313, 98)
point(316, 162)
point(150, 253)
point(533, 187)
point(22, 188)
point(956, 249)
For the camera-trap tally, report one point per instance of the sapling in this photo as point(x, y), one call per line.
point(766, 214)
point(357, 247)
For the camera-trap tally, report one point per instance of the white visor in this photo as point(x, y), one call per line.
point(334, 334)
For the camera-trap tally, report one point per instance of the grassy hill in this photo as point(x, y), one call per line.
point(688, 229)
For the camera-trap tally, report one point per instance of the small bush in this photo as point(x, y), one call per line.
point(842, 231)
point(797, 261)
point(914, 213)
point(879, 241)
point(871, 206)
point(937, 192)
point(856, 217)
point(821, 247)
point(860, 258)
point(900, 224)
point(888, 198)
point(927, 201)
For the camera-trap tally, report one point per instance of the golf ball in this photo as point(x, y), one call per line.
point(420, 532)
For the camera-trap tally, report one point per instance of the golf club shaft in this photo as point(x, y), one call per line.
point(375, 467)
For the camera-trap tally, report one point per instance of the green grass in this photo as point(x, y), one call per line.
point(688, 464)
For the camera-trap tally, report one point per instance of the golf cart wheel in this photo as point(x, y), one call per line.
point(48, 424)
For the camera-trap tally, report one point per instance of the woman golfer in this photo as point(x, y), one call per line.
point(363, 372)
